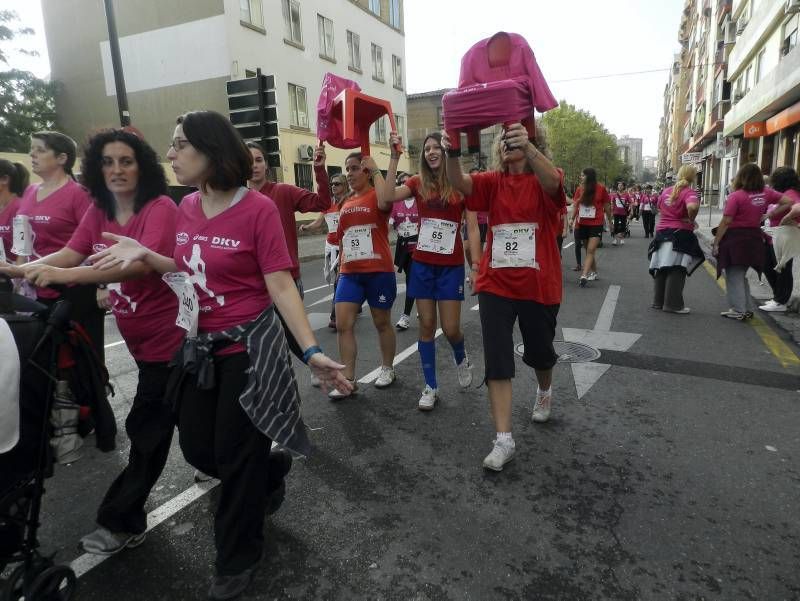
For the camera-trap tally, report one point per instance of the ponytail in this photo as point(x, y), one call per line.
point(686, 177)
point(17, 174)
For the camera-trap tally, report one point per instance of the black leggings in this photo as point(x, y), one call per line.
point(781, 283)
point(649, 222)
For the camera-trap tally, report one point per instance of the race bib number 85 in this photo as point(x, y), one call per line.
point(514, 245)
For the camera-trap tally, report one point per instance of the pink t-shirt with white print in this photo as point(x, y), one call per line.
point(620, 202)
point(145, 308)
point(53, 220)
point(7, 228)
point(673, 213)
point(228, 255)
point(405, 219)
point(747, 208)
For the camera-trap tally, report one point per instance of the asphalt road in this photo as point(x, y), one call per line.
point(672, 475)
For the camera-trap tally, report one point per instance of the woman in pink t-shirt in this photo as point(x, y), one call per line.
point(14, 179)
point(784, 180)
point(128, 189)
point(234, 387)
point(620, 208)
point(404, 218)
point(738, 241)
point(675, 252)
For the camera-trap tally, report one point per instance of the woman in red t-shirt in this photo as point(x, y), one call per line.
point(520, 272)
point(366, 271)
point(14, 179)
point(590, 207)
point(234, 389)
point(128, 189)
point(437, 273)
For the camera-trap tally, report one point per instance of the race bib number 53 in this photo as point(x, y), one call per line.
point(514, 245)
point(357, 243)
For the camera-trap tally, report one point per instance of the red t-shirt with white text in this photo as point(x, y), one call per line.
point(599, 202)
point(746, 208)
point(511, 199)
point(7, 228)
point(360, 212)
point(438, 208)
point(145, 307)
point(228, 255)
point(54, 219)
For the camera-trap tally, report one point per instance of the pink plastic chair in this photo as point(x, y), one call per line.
point(500, 82)
point(343, 120)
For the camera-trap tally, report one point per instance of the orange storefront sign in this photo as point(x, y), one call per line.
point(755, 129)
point(784, 119)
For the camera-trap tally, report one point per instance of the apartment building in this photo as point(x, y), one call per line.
point(630, 153)
point(734, 91)
point(178, 56)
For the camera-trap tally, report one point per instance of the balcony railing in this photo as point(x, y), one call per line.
point(723, 8)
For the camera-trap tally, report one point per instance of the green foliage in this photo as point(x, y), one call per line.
point(26, 102)
point(578, 140)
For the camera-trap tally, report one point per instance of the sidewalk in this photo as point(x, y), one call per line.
point(761, 292)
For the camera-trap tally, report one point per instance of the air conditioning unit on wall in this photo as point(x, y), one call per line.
point(305, 152)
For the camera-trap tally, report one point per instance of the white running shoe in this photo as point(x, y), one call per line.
point(542, 406)
point(385, 378)
point(337, 395)
point(315, 382)
point(614, 242)
point(428, 399)
point(464, 370)
point(592, 276)
point(622, 241)
point(773, 307)
point(403, 322)
point(502, 453)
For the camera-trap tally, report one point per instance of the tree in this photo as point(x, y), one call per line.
point(27, 103)
point(648, 175)
point(578, 140)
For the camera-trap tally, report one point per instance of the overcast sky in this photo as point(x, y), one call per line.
point(573, 40)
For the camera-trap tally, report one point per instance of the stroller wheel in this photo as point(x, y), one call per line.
point(57, 583)
point(15, 587)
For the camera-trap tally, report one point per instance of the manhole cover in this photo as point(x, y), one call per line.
point(569, 352)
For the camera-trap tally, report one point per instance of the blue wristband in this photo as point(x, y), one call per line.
point(312, 350)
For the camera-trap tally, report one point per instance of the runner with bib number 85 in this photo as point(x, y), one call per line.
point(520, 272)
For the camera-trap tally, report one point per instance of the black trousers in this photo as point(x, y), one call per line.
point(218, 438)
point(150, 424)
point(649, 222)
point(668, 288)
point(578, 243)
point(782, 283)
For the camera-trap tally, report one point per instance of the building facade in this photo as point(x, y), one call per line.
point(630, 153)
point(178, 56)
point(734, 94)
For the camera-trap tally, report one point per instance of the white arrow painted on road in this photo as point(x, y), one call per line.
point(600, 337)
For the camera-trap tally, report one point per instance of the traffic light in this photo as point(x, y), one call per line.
point(253, 110)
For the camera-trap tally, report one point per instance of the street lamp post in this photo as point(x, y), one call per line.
point(116, 64)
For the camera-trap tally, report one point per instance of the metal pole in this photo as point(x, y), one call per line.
point(116, 63)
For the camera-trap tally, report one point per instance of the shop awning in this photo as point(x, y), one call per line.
point(785, 118)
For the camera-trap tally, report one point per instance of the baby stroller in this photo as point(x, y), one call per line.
point(38, 334)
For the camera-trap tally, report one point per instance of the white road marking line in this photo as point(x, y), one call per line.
point(88, 561)
point(317, 288)
point(475, 308)
point(567, 245)
point(400, 357)
point(117, 343)
point(606, 315)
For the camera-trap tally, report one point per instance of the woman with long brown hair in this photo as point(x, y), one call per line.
point(738, 242)
point(590, 206)
point(437, 271)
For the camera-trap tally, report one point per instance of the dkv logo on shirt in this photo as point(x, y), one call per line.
point(219, 242)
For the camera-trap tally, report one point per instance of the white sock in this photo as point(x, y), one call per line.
point(505, 438)
point(541, 393)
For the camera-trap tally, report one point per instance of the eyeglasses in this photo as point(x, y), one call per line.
point(336, 184)
point(179, 144)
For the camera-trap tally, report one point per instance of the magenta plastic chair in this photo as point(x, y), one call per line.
point(500, 82)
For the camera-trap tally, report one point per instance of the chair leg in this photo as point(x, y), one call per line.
point(455, 143)
point(474, 141)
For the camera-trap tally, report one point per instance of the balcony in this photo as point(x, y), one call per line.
point(762, 23)
point(777, 89)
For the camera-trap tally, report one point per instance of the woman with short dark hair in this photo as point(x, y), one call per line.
point(233, 385)
point(738, 242)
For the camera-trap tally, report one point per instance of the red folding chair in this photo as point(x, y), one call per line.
point(356, 112)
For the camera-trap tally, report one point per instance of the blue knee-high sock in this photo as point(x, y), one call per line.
point(427, 356)
point(459, 353)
